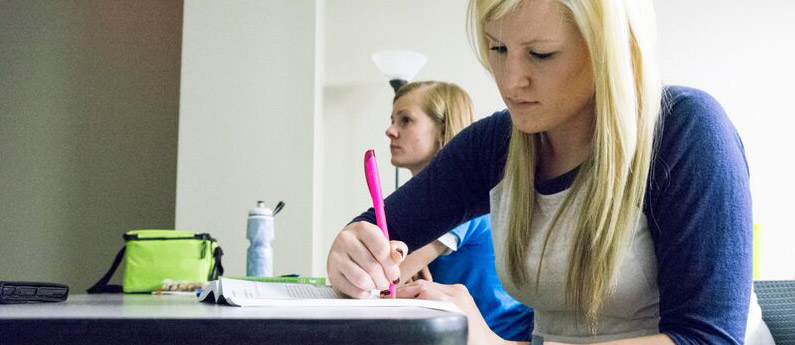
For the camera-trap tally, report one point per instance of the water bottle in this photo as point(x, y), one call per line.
point(259, 262)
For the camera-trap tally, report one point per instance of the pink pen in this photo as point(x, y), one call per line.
point(374, 184)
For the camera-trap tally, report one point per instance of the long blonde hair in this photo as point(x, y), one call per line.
point(447, 104)
point(620, 35)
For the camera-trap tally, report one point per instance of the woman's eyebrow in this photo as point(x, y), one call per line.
point(401, 112)
point(490, 36)
point(537, 40)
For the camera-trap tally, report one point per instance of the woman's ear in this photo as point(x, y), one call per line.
point(440, 137)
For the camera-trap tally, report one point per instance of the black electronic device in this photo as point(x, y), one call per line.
point(31, 292)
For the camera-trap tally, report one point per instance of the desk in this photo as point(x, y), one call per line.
point(170, 319)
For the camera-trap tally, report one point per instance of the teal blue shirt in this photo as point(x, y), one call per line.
point(472, 265)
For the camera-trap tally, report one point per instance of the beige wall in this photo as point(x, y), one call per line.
point(248, 122)
point(88, 130)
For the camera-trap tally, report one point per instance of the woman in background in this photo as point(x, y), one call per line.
point(425, 116)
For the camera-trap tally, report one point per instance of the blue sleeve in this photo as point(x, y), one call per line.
point(460, 232)
point(698, 208)
point(453, 189)
point(472, 229)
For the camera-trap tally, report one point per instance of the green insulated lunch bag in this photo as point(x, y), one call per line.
point(152, 256)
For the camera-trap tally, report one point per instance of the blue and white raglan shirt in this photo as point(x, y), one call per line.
point(693, 251)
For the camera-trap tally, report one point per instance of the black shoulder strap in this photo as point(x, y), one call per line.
point(218, 269)
point(102, 285)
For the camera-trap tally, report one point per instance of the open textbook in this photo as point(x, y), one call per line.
point(244, 293)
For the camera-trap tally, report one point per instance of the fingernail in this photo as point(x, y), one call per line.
point(384, 293)
point(400, 251)
point(396, 281)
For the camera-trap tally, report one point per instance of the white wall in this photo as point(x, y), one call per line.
point(248, 116)
point(740, 53)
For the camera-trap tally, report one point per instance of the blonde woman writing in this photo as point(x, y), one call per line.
point(621, 210)
point(425, 117)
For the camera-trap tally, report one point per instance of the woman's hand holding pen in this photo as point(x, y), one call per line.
point(361, 259)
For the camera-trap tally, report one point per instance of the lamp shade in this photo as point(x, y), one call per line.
point(399, 64)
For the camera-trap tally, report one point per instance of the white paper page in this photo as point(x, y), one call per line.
point(244, 293)
point(375, 302)
point(235, 288)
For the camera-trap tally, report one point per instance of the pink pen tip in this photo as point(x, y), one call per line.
point(392, 290)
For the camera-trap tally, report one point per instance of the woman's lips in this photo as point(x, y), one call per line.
point(522, 104)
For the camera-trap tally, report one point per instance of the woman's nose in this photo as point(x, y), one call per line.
point(515, 74)
point(391, 132)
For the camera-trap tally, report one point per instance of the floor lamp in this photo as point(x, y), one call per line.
point(399, 66)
